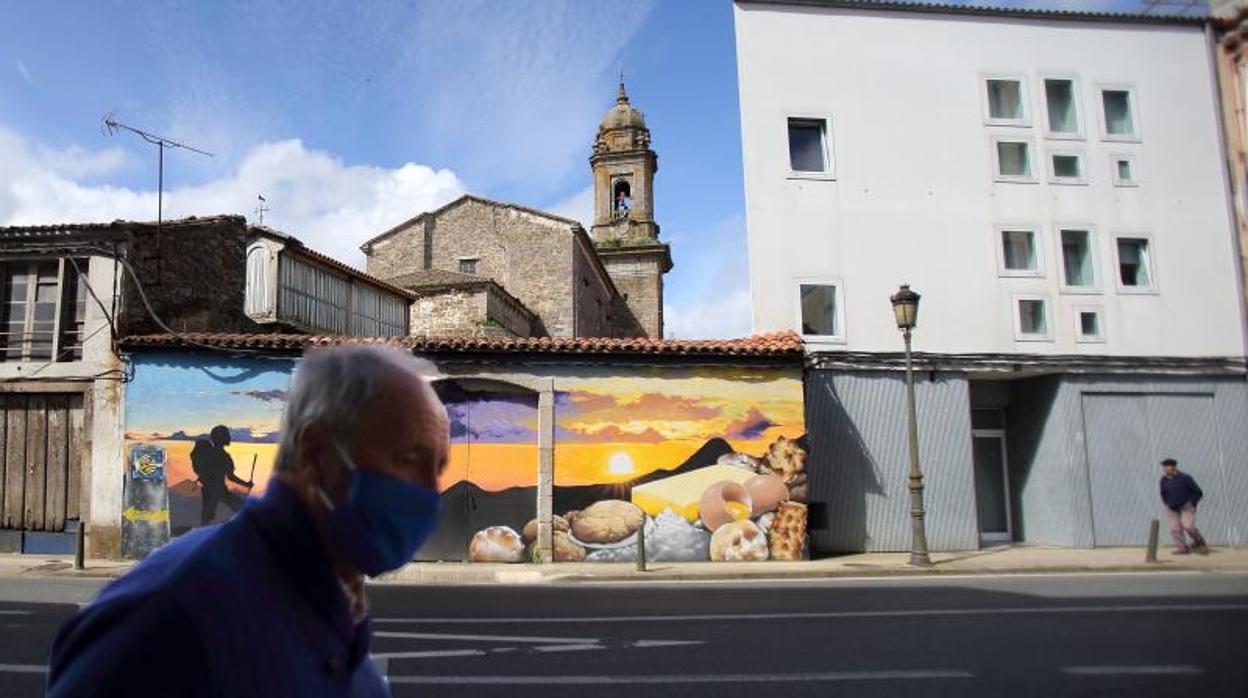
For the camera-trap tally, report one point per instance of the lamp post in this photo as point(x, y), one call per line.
point(906, 310)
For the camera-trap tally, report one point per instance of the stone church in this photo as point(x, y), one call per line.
point(483, 267)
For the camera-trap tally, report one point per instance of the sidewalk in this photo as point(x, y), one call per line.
point(1006, 560)
point(1000, 560)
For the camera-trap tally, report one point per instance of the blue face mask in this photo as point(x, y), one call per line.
point(384, 520)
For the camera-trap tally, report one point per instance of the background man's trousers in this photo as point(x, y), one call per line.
point(1184, 520)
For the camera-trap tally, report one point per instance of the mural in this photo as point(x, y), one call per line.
point(216, 420)
point(711, 461)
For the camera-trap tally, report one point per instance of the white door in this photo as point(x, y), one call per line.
point(992, 485)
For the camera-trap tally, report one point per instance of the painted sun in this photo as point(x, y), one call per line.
point(620, 464)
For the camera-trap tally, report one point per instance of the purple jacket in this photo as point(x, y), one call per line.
point(1179, 489)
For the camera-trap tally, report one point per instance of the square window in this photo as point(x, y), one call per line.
point(808, 145)
point(1089, 325)
point(1019, 255)
point(1077, 259)
point(1066, 168)
point(1006, 103)
point(1119, 113)
point(819, 308)
point(1061, 106)
point(1124, 170)
point(1033, 321)
point(1013, 159)
point(1134, 265)
point(468, 266)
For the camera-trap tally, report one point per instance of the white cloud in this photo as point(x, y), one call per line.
point(332, 207)
point(24, 72)
point(578, 207)
point(708, 290)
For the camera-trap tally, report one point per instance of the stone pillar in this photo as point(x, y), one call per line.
point(545, 473)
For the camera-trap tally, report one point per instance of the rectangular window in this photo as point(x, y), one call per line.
point(1066, 168)
point(468, 266)
point(1007, 103)
point(1013, 160)
point(1124, 170)
point(808, 151)
point(1088, 325)
point(1134, 265)
point(1019, 253)
point(1119, 113)
point(1033, 321)
point(820, 315)
point(44, 310)
point(1062, 107)
point(1077, 259)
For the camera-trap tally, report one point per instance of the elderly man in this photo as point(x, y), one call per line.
point(272, 602)
point(1181, 494)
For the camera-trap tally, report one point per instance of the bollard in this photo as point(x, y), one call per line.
point(1151, 556)
point(80, 546)
point(641, 547)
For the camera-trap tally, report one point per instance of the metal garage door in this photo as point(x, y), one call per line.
point(1126, 438)
point(41, 449)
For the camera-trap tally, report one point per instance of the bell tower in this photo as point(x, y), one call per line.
point(624, 232)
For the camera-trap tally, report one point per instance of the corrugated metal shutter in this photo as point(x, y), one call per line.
point(41, 448)
point(1126, 437)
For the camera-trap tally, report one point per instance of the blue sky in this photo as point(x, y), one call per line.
point(350, 117)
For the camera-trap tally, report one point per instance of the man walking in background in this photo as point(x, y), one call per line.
point(1181, 494)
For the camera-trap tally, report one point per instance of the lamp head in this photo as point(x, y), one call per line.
point(905, 307)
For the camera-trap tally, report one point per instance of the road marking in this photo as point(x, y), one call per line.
point(887, 675)
point(431, 654)
point(569, 648)
point(918, 613)
point(1137, 670)
point(486, 638)
point(23, 669)
point(15, 613)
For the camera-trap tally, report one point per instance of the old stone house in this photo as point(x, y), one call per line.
point(479, 266)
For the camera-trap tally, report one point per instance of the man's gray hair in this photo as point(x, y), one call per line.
point(334, 386)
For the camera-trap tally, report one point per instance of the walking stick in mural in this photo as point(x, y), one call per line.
point(252, 477)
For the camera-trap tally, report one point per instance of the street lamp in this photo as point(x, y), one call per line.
point(906, 310)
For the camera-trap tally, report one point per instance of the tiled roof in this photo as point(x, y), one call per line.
point(986, 8)
point(58, 231)
point(777, 344)
point(437, 279)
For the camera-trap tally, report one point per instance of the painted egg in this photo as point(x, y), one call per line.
point(766, 492)
point(724, 502)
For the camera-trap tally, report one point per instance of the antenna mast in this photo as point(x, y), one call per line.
point(111, 127)
point(261, 209)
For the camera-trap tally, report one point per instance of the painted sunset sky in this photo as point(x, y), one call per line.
point(608, 428)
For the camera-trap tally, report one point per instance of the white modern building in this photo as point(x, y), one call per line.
point(1053, 184)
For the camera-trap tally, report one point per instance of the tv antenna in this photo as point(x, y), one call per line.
point(261, 209)
point(112, 126)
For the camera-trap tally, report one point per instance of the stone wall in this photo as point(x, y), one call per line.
point(510, 316)
point(194, 274)
point(594, 308)
point(638, 277)
point(528, 254)
point(450, 313)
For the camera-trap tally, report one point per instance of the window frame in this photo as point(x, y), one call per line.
point(1080, 337)
point(59, 352)
point(1151, 252)
point(998, 240)
point(1066, 289)
point(1135, 169)
point(1132, 103)
point(1080, 132)
point(1024, 98)
point(838, 307)
point(459, 264)
point(1016, 310)
point(829, 156)
point(995, 152)
point(1081, 180)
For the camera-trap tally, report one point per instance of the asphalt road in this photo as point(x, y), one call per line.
point(1170, 634)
